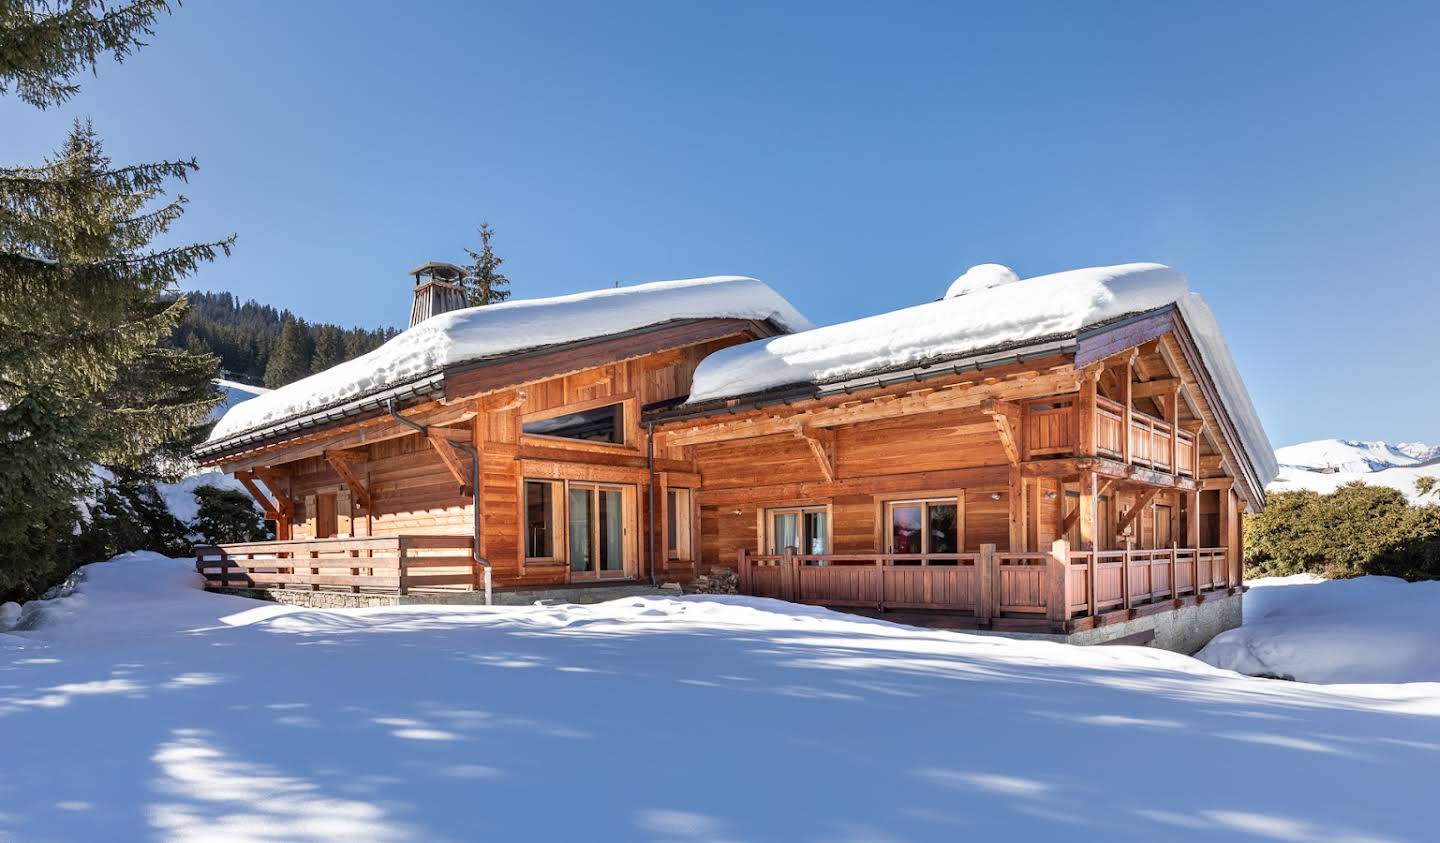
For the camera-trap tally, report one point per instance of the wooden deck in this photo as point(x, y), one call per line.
point(385, 565)
point(1055, 591)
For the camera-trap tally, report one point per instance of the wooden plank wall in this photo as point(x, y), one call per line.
point(413, 494)
point(750, 475)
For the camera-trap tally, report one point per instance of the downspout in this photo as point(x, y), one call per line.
point(474, 491)
point(650, 464)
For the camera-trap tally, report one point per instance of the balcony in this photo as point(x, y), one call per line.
point(1052, 429)
point(1058, 591)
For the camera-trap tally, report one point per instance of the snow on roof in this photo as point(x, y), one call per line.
point(983, 311)
point(482, 332)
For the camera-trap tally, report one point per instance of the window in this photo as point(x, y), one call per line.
point(540, 501)
point(600, 424)
point(807, 529)
point(677, 524)
point(931, 526)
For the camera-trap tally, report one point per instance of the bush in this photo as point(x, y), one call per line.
point(228, 516)
point(1354, 531)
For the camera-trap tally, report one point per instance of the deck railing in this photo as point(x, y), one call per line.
point(1052, 430)
point(382, 565)
point(1056, 586)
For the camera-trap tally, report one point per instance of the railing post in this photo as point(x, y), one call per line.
point(985, 584)
point(789, 576)
point(1057, 602)
point(742, 571)
point(1091, 561)
point(1125, 574)
point(401, 545)
point(1174, 555)
point(880, 582)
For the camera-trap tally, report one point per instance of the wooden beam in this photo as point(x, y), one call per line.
point(1018, 504)
point(964, 395)
point(449, 455)
point(954, 478)
point(378, 428)
point(269, 507)
point(1158, 388)
point(1006, 417)
point(822, 447)
point(344, 463)
point(1135, 509)
point(1085, 409)
point(1074, 514)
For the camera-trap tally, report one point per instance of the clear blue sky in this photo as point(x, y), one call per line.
point(856, 156)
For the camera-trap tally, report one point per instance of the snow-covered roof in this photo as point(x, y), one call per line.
point(495, 330)
point(991, 310)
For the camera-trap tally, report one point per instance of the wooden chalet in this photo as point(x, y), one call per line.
point(1082, 482)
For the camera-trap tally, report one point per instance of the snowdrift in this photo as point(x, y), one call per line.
point(1304, 627)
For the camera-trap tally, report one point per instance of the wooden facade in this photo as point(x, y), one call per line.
point(1075, 488)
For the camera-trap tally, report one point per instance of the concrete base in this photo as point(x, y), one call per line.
point(1180, 630)
point(1184, 630)
point(507, 597)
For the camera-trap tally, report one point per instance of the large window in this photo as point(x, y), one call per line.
point(926, 526)
point(807, 529)
point(541, 498)
point(599, 424)
point(677, 524)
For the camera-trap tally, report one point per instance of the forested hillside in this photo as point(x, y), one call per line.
point(258, 344)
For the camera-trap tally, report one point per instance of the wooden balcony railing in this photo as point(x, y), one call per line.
point(1056, 586)
point(1052, 429)
point(385, 565)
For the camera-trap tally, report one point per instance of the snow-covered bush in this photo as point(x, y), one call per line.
point(1354, 531)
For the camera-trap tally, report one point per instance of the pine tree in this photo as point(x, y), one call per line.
point(44, 45)
point(290, 359)
point(84, 298)
point(329, 348)
point(484, 282)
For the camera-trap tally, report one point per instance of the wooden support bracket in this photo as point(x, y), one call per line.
point(1074, 515)
point(441, 441)
point(1006, 417)
point(822, 447)
point(1135, 509)
point(345, 463)
point(269, 507)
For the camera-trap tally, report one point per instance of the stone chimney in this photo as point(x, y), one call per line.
point(438, 289)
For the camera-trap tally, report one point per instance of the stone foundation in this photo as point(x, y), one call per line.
point(1183, 630)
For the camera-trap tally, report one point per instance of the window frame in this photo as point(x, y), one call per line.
point(682, 526)
point(625, 405)
point(887, 520)
point(558, 521)
point(767, 520)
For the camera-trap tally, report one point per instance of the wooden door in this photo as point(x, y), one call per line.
point(325, 517)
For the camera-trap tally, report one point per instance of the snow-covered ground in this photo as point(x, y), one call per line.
point(144, 708)
point(1327, 464)
point(1367, 629)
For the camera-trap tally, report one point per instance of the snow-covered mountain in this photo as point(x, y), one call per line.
point(1326, 464)
point(235, 392)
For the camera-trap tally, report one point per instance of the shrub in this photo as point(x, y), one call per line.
point(228, 516)
point(1354, 531)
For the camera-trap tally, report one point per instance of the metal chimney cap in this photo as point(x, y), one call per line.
point(439, 270)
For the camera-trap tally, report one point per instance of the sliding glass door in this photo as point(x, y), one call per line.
point(597, 531)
